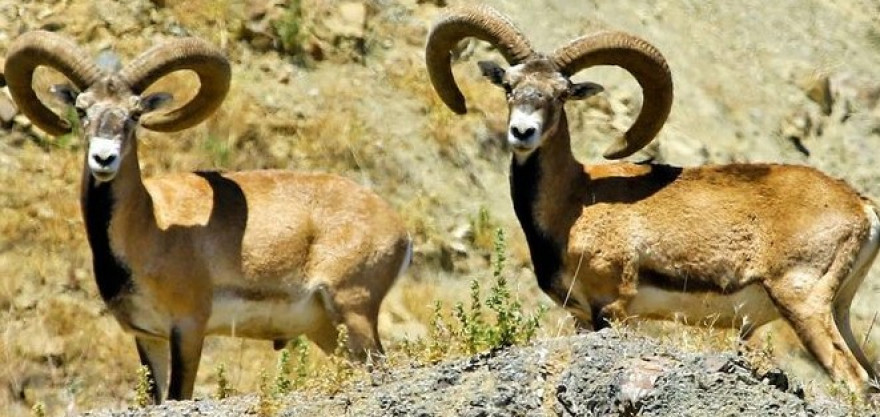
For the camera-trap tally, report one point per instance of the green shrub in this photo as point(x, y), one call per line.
point(266, 404)
point(473, 330)
point(283, 384)
point(143, 387)
point(224, 387)
point(290, 30)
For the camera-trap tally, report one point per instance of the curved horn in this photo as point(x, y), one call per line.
point(36, 48)
point(481, 22)
point(640, 59)
point(192, 54)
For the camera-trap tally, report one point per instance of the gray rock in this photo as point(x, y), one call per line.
point(604, 373)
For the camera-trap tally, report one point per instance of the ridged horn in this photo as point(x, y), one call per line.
point(481, 22)
point(644, 62)
point(37, 48)
point(193, 54)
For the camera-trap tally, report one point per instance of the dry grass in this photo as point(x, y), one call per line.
point(772, 346)
point(445, 129)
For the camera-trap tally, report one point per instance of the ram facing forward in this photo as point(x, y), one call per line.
point(259, 254)
point(737, 245)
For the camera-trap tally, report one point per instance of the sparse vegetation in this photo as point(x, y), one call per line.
point(467, 331)
point(218, 149)
point(38, 410)
point(484, 227)
point(339, 369)
point(290, 30)
point(283, 384)
point(301, 372)
point(494, 320)
point(472, 325)
point(224, 387)
point(874, 37)
point(512, 326)
point(145, 383)
point(267, 404)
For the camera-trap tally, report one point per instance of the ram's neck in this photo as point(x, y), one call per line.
point(106, 204)
point(547, 187)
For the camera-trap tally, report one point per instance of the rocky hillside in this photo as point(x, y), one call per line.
point(340, 86)
point(597, 374)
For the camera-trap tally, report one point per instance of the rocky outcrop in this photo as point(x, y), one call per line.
point(605, 374)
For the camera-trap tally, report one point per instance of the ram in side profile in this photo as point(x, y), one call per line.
point(266, 254)
point(739, 245)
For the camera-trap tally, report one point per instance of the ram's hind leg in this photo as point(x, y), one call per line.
point(841, 318)
point(847, 291)
point(358, 310)
point(842, 304)
point(323, 331)
point(353, 295)
point(186, 352)
point(350, 307)
point(154, 354)
point(806, 303)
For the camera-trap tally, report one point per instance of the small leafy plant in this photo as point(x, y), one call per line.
point(267, 404)
point(484, 228)
point(512, 326)
point(283, 383)
point(143, 387)
point(301, 371)
point(290, 30)
point(471, 330)
point(224, 387)
point(341, 369)
point(38, 410)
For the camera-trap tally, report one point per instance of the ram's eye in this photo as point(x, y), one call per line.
point(80, 112)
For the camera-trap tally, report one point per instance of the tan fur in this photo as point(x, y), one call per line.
point(790, 229)
point(262, 254)
point(274, 234)
point(730, 245)
point(735, 245)
point(288, 230)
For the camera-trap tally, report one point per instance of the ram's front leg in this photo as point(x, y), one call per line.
point(186, 350)
point(153, 354)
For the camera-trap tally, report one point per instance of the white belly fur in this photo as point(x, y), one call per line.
point(751, 305)
point(275, 318)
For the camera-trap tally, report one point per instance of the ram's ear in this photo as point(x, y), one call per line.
point(492, 71)
point(580, 91)
point(153, 102)
point(65, 93)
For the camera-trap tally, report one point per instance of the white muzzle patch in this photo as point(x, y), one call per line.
point(104, 158)
point(525, 129)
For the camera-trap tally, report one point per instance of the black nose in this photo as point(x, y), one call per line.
point(105, 160)
point(522, 134)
